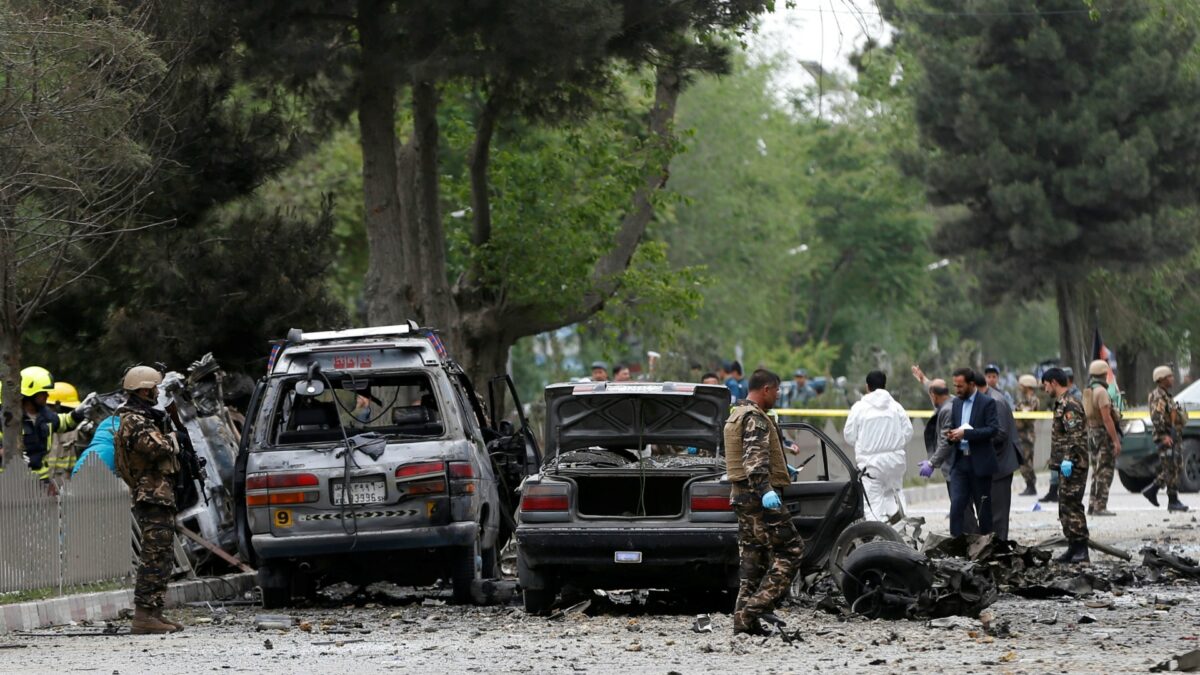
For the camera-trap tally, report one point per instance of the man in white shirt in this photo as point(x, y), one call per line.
point(879, 429)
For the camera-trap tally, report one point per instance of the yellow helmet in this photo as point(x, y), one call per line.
point(35, 380)
point(64, 395)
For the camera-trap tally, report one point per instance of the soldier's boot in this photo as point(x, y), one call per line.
point(158, 614)
point(145, 623)
point(1030, 489)
point(1151, 493)
point(1051, 495)
point(1173, 504)
point(1103, 512)
point(749, 625)
point(1077, 552)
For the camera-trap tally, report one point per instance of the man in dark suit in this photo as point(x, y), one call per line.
point(970, 454)
point(1008, 458)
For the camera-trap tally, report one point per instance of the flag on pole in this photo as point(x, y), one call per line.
point(1102, 352)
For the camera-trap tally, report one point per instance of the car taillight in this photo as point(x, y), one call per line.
point(272, 481)
point(462, 478)
point(545, 497)
point(710, 497)
point(422, 470)
point(282, 489)
point(424, 478)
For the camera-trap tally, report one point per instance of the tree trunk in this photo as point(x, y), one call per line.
point(10, 394)
point(1075, 313)
point(387, 288)
point(436, 305)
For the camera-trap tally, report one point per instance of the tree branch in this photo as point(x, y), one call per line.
point(480, 156)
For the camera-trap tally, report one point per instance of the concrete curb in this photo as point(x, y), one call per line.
point(108, 605)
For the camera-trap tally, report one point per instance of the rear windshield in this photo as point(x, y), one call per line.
point(401, 406)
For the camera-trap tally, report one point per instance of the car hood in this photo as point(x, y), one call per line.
point(634, 414)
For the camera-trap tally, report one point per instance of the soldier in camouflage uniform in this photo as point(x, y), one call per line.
point(1027, 402)
point(1168, 419)
point(1069, 454)
point(147, 461)
point(1103, 432)
point(758, 469)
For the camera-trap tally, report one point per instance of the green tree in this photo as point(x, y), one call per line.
point(1065, 140)
point(518, 61)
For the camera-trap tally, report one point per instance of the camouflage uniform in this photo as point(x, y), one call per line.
point(1025, 432)
point(756, 465)
point(1168, 419)
point(148, 461)
point(1100, 449)
point(1068, 440)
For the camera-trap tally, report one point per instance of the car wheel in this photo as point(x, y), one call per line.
point(489, 569)
point(1134, 483)
point(538, 590)
point(880, 574)
point(1189, 474)
point(466, 564)
point(275, 580)
point(851, 538)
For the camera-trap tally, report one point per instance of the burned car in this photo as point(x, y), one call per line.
point(633, 494)
point(365, 457)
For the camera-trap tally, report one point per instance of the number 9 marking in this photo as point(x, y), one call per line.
point(282, 517)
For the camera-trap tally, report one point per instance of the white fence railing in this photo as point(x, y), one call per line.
point(82, 535)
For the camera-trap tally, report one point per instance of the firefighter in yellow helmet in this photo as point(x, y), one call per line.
point(63, 451)
point(39, 421)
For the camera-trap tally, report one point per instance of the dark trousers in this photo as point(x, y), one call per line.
point(967, 492)
point(969, 524)
point(1001, 505)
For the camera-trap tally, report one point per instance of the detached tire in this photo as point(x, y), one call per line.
point(853, 537)
point(1134, 483)
point(882, 568)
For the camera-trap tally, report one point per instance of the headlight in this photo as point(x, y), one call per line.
point(1135, 427)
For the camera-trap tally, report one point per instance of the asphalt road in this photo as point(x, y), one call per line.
point(1127, 630)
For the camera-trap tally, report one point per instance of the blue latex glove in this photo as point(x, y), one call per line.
point(792, 471)
point(771, 501)
point(926, 469)
point(1065, 468)
point(692, 450)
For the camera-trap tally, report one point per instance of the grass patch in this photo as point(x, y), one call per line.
point(45, 593)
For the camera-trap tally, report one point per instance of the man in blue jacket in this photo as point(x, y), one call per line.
point(969, 453)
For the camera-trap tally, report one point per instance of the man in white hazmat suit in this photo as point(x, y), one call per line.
point(879, 429)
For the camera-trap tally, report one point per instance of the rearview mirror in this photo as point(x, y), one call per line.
point(310, 387)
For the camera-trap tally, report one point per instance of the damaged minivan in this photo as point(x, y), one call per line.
point(633, 493)
point(368, 457)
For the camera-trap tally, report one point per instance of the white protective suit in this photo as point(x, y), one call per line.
point(879, 429)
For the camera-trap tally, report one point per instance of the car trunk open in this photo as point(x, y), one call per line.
point(629, 494)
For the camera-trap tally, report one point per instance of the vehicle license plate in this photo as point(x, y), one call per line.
point(627, 556)
point(369, 491)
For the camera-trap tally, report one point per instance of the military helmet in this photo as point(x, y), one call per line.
point(141, 377)
point(1028, 381)
point(35, 380)
point(64, 394)
point(1161, 372)
point(1098, 367)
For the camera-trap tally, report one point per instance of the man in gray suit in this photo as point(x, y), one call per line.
point(1008, 458)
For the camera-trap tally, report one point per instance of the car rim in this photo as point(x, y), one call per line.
point(874, 584)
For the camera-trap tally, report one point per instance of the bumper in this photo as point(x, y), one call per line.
point(441, 536)
point(595, 548)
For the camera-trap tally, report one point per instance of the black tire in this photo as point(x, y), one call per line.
point(464, 570)
point(882, 567)
point(854, 536)
point(275, 580)
point(538, 590)
point(1134, 483)
point(1189, 474)
point(491, 569)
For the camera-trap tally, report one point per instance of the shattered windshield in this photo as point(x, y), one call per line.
point(648, 458)
point(400, 406)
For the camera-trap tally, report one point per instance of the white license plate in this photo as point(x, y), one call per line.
point(370, 491)
point(627, 556)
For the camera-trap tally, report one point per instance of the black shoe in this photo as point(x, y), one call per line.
point(1077, 552)
point(1151, 493)
point(755, 628)
point(772, 619)
point(1176, 505)
point(1052, 495)
point(1030, 489)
